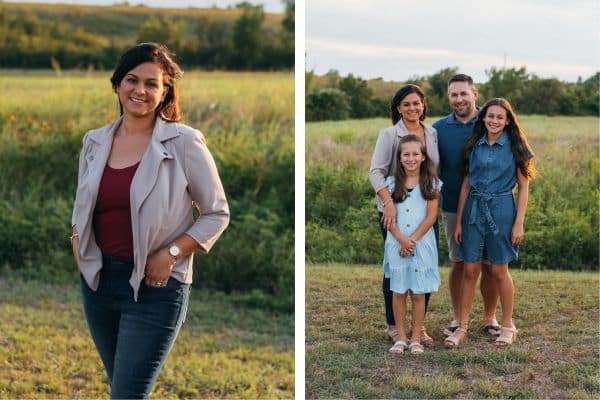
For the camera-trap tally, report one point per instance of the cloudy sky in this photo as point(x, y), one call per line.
point(397, 39)
point(269, 5)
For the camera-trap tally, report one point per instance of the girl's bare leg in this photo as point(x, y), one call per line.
point(507, 292)
point(418, 315)
point(399, 305)
point(471, 273)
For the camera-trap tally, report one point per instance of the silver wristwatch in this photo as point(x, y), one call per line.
point(174, 251)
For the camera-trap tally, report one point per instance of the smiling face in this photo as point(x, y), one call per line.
point(141, 90)
point(411, 107)
point(462, 98)
point(495, 120)
point(411, 156)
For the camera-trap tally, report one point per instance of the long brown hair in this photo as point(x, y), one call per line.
point(518, 139)
point(428, 180)
point(157, 53)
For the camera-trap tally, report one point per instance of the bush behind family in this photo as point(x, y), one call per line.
point(38, 160)
point(333, 97)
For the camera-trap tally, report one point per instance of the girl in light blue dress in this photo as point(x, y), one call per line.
point(410, 258)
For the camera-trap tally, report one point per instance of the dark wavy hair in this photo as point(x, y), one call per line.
point(428, 180)
point(400, 95)
point(518, 140)
point(157, 53)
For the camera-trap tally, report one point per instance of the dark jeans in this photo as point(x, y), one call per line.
point(133, 338)
point(385, 284)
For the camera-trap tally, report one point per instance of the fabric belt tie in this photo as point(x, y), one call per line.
point(481, 203)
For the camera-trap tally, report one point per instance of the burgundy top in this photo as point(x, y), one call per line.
point(112, 215)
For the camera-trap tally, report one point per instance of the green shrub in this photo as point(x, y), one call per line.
point(253, 149)
point(561, 226)
point(255, 252)
point(327, 104)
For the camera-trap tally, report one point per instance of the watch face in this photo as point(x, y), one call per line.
point(174, 251)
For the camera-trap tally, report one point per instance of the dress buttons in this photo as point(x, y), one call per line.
point(407, 210)
point(408, 225)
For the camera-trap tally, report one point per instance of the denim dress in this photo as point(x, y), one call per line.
point(419, 272)
point(489, 212)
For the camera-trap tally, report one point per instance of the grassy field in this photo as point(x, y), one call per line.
point(562, 221)
point(223, 351)
point(555, 140)
point(230, 346)
point(556, 354)
point(214, 102)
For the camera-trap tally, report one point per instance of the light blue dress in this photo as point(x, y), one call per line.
point(418, 273)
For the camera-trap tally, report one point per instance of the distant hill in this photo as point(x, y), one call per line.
point(31, 35)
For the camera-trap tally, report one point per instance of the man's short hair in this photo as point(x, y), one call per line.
point(461, 78)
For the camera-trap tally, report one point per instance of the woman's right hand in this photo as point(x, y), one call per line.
point(389, 215)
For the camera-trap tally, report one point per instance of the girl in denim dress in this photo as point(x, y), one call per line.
point(495, 159)
point(410, 259)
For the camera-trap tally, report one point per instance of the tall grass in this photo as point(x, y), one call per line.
point(561, 227)
point(247, 119)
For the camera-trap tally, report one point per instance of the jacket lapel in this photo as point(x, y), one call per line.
point(96, 160)
point(147, 172)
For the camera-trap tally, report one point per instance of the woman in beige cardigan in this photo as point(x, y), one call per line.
point(133, 227)
point(408, 109)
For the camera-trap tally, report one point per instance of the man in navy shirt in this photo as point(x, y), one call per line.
point(453, 131)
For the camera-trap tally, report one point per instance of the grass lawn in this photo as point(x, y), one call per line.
point(556, 354)
point(223, 351)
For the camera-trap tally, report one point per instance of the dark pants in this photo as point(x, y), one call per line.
point(133, 338)
point(385, 284)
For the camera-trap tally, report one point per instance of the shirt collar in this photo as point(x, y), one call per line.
point(455, 120)
point(502, 140)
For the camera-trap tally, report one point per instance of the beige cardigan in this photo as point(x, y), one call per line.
point(384, 160)
point(176, 172)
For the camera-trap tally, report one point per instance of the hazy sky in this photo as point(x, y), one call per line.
point(269, 5)
point(397, 39)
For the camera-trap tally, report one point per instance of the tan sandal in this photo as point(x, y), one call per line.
point(491, 327)
point(398, 347)
point(507, 336)
point(449, 330)
point(426, 340)
point(416, 348)
point(454, 340)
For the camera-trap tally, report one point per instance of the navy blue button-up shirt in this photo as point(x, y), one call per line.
point(452, 136)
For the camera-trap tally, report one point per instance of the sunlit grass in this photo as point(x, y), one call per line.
point(223, 350)
point(555, 140)
point(555, 356)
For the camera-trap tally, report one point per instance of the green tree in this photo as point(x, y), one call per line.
point(215, 42)
point(436, 91)
point(542, 96)
point(247, 36)
point(508, 83)
point(327, 104)
point(163, 30)
point(359, 95)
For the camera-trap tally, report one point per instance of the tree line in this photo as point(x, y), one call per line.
point(332, 97)
point(244, 38)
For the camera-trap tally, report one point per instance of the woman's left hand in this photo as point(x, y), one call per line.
point(518, 234)
point(158, 268)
